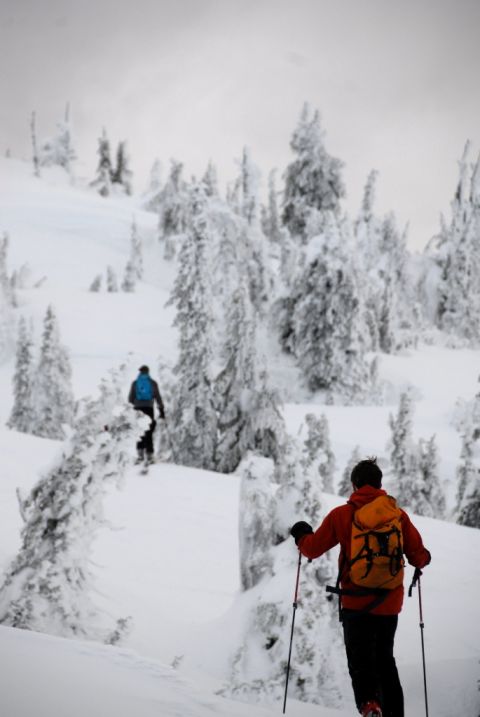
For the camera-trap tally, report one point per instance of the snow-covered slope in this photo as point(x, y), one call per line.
point(43, 675)
point(169, 556)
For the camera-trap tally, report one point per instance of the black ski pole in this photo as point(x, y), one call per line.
point(291, 632)
point(416, 579)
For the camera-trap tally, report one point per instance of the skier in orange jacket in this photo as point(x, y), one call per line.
point(369, 617)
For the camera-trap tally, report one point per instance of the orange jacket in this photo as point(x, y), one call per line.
point(337, 528)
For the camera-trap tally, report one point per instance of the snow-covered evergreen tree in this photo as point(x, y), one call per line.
point(33, 136)
point(429, 498)
point(403, 453)
point(103, 179)
point(96, 284)
point(384, 264)
point(173, 203)
point(415, 480)
point(467, 510)
point(235, 383)
point(249, 183)
point(313, 180)
point(6, 284)
point(317, 454)
point(21, 414)
point(251, 250)
point(121, 176)
point(152, 196)
point(210, 181)
point(256, 536)
point(48, 585)
point(265, 422)
point(112, 281)
point(299, 493)
point(258, 665)
point(272, 225)
point(136, 250)
point(129, 280)
point(193, 418)
point(52, 396)
point(58, 150)
point(345, 487)
point(7, 303)
point(324, 325)
point(134, 267)
point(457, 252)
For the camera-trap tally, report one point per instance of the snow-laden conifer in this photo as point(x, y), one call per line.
point(111, 280)
point(467, 509)
point(58, 150)
point(7, 303)
point(403, 453)
point(21, 418)
point(317, 454)
point(173, 201)
point(257, 503)
point(96, 284)
point(152, 196)
point(136, 250)
point(430, 497)
point(414, 466)
point(326, 331)
point(258, 665)
point(236, 381)
point(193, 418)
point(383, 264)
point(345, 487)
point(457, 252)
point(313, 180)
point(251, 251)
point(52, 395)
point(103, 179)
point(249, 183)
point(6, 284)
point(129, 280)
point(265, 422)
point(134, 266)
point(210, 181)
point(272, 225)
point(248, 408)
point(33, 137)
point(121, 176)
point(238, 251)
point(48, 586)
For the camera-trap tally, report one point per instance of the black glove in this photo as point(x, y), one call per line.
point(300, 529)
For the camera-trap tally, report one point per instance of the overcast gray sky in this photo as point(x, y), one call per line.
point(396, 83)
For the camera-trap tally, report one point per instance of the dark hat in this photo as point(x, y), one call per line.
point(144, 369)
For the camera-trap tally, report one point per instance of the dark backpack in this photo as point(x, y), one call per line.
point(143, 388)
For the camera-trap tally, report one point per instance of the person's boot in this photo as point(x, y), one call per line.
point(139, 458)
point(150, 458)
point(371, 709)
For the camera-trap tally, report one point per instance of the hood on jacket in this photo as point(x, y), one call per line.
point(365, 495)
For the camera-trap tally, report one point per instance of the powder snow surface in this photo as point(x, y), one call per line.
point(169, 556)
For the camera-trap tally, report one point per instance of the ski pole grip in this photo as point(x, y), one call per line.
point(416, 576)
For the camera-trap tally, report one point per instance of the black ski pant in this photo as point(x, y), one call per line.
point(146, 441)
point(369, 645)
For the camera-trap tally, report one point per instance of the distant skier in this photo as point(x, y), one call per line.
point(144, 393)
point(373, 534)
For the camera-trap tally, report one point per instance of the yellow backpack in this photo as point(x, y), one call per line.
point(376, 554)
